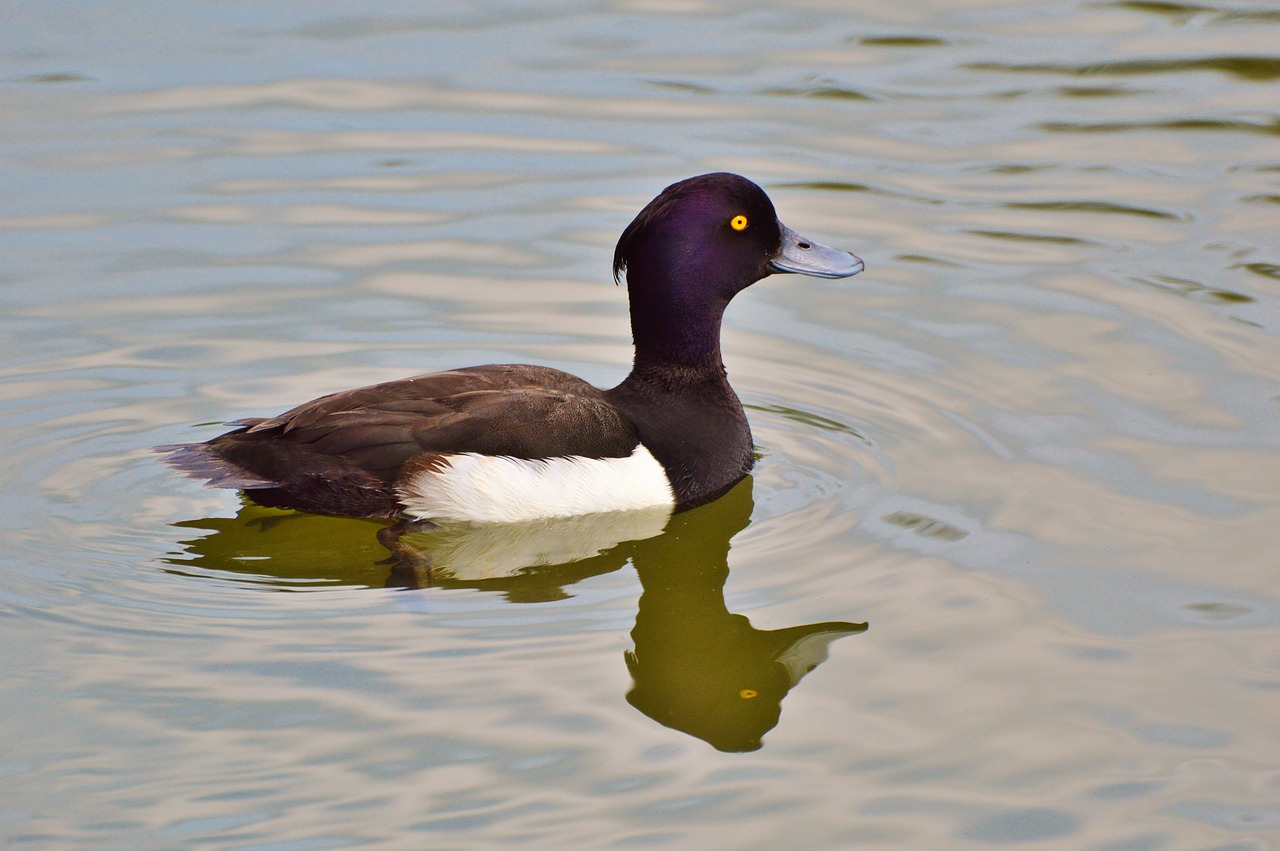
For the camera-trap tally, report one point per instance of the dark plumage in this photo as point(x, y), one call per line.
point(687, 253)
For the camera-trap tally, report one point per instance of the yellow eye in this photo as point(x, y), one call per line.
point(738, 222)
point(746, 693)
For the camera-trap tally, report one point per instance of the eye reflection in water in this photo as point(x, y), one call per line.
point(696, 666)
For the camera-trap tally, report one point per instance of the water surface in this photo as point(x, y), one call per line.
point(1033, 448)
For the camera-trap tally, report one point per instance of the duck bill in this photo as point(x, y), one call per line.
point(806, 257)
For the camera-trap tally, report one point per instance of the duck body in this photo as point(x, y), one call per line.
point(515, 442)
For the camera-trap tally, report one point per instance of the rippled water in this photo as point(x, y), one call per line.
point(1033, 448)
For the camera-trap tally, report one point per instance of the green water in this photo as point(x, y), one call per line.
point(1006, 573)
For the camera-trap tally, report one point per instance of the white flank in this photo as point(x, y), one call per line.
point(492, 489)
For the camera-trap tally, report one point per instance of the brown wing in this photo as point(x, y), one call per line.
point(340, 453)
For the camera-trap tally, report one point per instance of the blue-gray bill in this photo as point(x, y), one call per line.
point(806, 257)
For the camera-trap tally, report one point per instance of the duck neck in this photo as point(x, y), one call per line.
point(676, 330)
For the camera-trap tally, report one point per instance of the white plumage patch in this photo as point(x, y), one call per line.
point(475, 551)
point(494, 489)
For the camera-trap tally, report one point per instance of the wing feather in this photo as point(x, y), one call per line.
point(352, 445)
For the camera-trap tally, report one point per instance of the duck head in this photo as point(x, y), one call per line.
point(693, 248)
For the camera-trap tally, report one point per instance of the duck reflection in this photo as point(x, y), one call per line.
point(696, 666)
point(527, 563)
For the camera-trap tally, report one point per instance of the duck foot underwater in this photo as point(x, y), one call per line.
point(410, 566)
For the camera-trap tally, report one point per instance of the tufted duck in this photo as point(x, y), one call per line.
point(512, 442)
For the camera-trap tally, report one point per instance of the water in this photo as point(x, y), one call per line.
point(1034, 447)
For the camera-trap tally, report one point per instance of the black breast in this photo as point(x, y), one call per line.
point(694, 425)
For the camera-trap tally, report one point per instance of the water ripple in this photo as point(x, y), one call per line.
point(1253, 68)
point(1265, 126)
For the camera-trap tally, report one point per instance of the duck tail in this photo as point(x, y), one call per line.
point(203, 461)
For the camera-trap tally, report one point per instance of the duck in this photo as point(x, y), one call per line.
point(503, 443)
